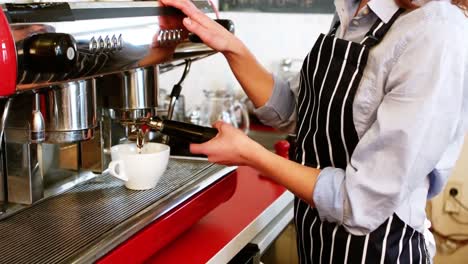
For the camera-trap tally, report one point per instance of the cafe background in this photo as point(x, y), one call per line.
point(275, 31)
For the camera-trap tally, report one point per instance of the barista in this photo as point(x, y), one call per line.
point(378, 109)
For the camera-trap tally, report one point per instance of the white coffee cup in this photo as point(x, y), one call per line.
point(140, 171)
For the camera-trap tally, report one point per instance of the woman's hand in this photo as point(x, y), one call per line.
point(230, 147)
point(256, 81)
point(212, 34)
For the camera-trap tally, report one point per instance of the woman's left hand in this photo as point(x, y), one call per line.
point(230, 147)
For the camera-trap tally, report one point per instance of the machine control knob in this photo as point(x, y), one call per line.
point(108, 44)
point(114, 43)
point(50, 52)
point(93, 45)
point(101, 44)
point(105, 44)
point(120, 42)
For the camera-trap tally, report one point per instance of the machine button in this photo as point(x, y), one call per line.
point(114, 43)
point(365, 11)
point(101, 44)
point(108, 44)
point(120, 42)
point(92, 45)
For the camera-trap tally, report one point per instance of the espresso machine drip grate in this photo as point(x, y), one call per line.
point(60, 228)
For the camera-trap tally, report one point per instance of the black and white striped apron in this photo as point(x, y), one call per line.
point(326, 136)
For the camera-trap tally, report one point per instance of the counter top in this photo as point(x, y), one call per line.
point(249, 202)
point(199, 212)
point(84, 223)
point(254, 209)
point(223, 232)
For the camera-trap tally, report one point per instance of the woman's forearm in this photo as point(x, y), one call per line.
point(295, 177)
point(256, 81)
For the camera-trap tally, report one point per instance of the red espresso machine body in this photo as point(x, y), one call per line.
point(7, 58)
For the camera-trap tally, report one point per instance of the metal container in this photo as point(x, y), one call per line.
point(139, 89)
point(70, 112)
point(131, 94)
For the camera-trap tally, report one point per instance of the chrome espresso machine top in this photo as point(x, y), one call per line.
point(77, 78)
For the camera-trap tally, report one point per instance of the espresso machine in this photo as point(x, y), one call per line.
point(77, 78)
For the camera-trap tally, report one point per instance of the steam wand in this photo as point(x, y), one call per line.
point(177, 89)
point(175, 93)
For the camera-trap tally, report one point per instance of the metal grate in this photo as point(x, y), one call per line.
point(55, 229)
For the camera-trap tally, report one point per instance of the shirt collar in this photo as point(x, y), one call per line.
point(384, 9)
point(345, 10)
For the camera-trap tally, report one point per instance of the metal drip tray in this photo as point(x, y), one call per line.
point(87, 221)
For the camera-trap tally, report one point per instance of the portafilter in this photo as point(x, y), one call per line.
point(185, 131)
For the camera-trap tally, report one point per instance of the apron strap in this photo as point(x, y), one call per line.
point(379, 29)
point(332, 32)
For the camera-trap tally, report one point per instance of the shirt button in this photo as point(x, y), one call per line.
point(355, 22)
point(365, 11)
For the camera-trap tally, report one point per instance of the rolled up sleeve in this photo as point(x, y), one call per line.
point(416, 121)
point(280, 110)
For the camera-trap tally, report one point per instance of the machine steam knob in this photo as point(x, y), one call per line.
point(50, 52)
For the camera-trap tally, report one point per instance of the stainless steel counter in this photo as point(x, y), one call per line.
point(86, 222)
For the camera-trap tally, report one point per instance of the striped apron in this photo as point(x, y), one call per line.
point(326, 136)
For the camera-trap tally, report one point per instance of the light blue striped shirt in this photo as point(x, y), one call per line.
point(409, 112)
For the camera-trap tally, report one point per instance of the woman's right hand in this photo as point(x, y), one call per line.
point(256, 81)
point(230, 147)
point(210, 32)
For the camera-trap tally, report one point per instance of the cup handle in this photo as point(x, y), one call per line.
point(112, 170)
point(245, 116)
